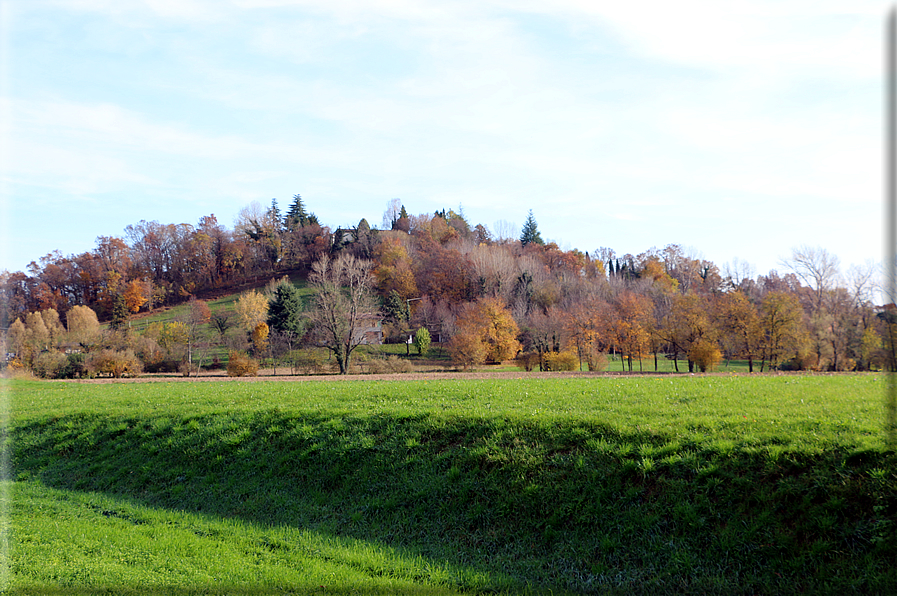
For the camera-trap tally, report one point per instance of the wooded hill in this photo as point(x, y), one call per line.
point(439, 272)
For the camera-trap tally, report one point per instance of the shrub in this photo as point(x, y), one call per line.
point(528, 360)
point(705, 354)
point(116, 363)
point(422, 341)
point(596, 360)
point(51, 365)
point(241, 365)
point(187, 369)
point(76, 366)
point(307, 361)
point(390, 364)
point(561, 360)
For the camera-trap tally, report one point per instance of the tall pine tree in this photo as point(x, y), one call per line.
point(297, 216)
point(530, 233)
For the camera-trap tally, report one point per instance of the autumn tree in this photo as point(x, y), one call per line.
point(486, 332)
point(344, 304)
point(259, 339)
point(37, 334)
point(263, 227)
point(135, 295)
point(740, 322)
point(782, 325)
point(687, 323)
point(588, 326)
point(632, 325)
point(54, 326)
point(82, 326)
point(394, 271)
point(196, 318)
point(16, 341)
point(251, 309)
point(543, 331)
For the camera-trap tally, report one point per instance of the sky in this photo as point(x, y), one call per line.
point(739, 130)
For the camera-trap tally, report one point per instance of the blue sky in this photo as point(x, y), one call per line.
point(736, 129)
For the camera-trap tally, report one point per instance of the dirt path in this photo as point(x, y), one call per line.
point(268, 375)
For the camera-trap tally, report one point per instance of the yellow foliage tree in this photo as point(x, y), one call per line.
point(135, 295)
point(83, 326)
point(252, 309)
point(489, 324)
point(260, 339)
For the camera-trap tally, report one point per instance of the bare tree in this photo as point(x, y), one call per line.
point(344, 305)
point(505, 231)
point(816, 267)
point(864, 281)
point(392, 214)
point(739, 274)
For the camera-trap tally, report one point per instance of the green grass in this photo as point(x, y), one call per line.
point(660, 485)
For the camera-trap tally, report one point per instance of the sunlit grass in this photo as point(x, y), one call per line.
point(649, 484)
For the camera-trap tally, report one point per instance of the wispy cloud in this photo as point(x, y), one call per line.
point(575, 107)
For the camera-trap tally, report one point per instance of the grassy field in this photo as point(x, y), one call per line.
point(630, 485)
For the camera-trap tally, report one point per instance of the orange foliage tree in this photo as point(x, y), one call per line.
point(486, 333)
point(632, 325)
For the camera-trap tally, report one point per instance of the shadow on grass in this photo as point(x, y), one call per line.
point(559, 506)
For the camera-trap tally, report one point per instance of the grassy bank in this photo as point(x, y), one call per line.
point(736, 485)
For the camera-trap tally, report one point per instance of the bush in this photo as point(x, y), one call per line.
point(51, 365)
point(705, 354)
point(561, 360)
point(597, 361)
point(116, 363)
point(186, 369)
point(241, 365)
point(307, 361)
point(162, 366)
point(390, 365)
point(528, 360)
point(76, 366)
point(422, 341)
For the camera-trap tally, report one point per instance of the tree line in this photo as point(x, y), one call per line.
point(487, 296)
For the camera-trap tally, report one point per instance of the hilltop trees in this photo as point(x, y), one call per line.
point(665, 300)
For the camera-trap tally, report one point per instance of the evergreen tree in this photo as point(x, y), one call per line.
point(403, 214)
point(285, 309)
point(274, 212)
point(395, 308)
point(296, 216)
point(530, 232)
point(120, 312)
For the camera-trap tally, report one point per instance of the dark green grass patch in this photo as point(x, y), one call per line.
point(640, 485)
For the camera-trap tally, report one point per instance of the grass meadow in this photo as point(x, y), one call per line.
point(643, 484)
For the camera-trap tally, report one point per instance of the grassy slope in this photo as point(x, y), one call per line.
point(642, 485)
